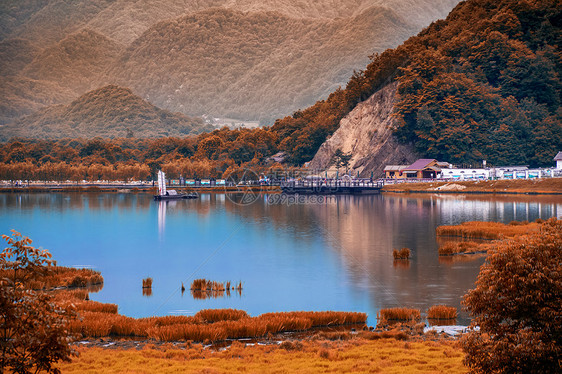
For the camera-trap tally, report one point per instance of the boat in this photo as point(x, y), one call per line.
point(164, 194)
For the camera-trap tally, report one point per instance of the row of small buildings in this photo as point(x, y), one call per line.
point(432, 169)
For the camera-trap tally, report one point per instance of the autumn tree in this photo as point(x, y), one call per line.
point(341, 159)
point(33, 329)
point(516, 304)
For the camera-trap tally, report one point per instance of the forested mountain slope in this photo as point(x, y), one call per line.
point(484, 84)
point(108, 112)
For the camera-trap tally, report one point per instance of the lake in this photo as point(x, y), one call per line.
point(320, 253)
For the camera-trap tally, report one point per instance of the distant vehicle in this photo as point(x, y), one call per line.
point(164, 194)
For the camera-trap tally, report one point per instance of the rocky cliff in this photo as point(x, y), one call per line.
point(366, 134)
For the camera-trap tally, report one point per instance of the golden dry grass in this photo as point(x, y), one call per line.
point(399, 314)
point(349, 356)
point(442, 312)
point(98, 320)
point(215, 315)
point(488, 230)
point(60, 276)
point(449, 248)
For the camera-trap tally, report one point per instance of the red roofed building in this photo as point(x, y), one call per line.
point(424, 168)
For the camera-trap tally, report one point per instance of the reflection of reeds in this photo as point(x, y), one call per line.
point(459, 258)
point(399, 314)
point(402, 254)
point(207, 294)
point(401, 264)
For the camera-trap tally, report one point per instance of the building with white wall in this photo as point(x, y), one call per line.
point(558, 159)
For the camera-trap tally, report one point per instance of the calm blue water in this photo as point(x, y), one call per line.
point(329, 254)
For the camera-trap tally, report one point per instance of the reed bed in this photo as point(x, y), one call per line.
point(402, 254)
point(325, 318)
point(442, 312)
point(170, 320)
point(207, 285)
point(488, 230)
point(202, 289)
point(147, 283)
point(211, 325)
point(203, 295)
point(399, 314)
point(450, 248)
point(216, 315)
point(61, 276)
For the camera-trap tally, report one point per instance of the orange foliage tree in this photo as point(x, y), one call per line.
point(33, 329)
point(516, 304)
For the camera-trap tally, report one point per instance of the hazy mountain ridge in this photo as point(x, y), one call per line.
point(107, 112)
point(72, 45)
point(76, 61)
point(251, 65)
point(15, 55)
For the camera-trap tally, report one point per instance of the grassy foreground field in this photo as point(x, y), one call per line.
point(317, 356)
point(505, 186)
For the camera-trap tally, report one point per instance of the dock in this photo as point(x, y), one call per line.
point(332, 187)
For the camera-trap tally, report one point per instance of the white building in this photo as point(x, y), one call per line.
point(558, 160)
point(465, 174)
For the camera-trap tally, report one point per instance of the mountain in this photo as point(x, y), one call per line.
point(251, 65)
point(15, 54)
point(366, 133)
point(107, 112)
point(484, 84)
point(48, 21)
point(76, 61)
point(181, 47)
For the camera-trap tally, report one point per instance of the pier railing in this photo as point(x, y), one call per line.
point(332, 186)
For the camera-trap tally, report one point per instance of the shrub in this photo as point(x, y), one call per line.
point(399, 314)
point(442, 312)
point(34, 331)
point(215, 315)
point(402, 254)
point(516, 304)
point(147, 283)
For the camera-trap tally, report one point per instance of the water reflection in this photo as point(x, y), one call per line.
point(330, 254)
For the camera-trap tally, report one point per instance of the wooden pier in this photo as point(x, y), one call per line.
point(332, 187)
